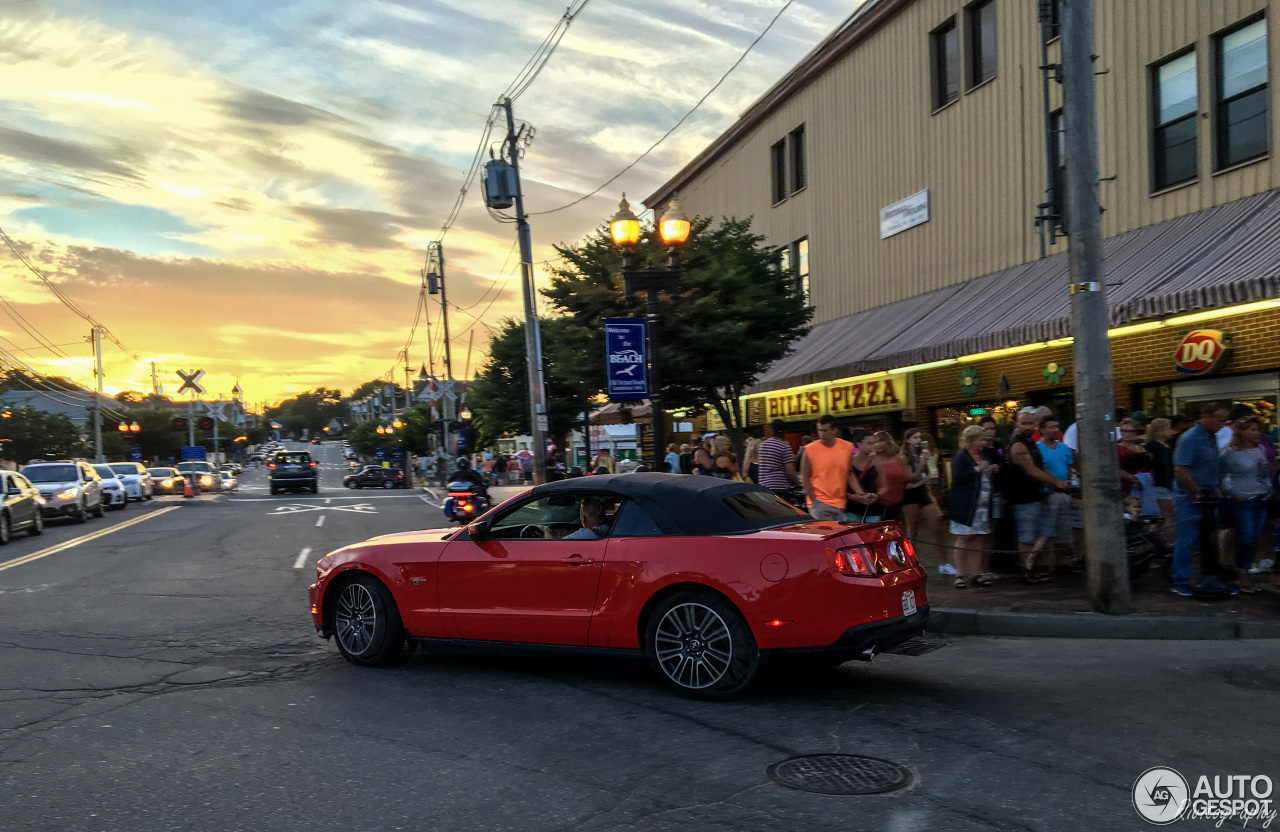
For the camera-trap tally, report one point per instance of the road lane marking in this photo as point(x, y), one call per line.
point(62, 547)
point(431, 503)
point(299, 499)
point(282, 511)
point(328, 500)
point(319, 521)
point(302, 558)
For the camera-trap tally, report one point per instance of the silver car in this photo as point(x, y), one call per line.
point(138, 483)
point(114, 493)
point(69, 489)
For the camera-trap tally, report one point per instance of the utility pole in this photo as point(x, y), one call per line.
point(155, 380)
point(1106, 564)
point(444, 314)
point(97, 399)
point(532, 331)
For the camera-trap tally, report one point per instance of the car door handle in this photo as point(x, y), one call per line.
point(577, 560)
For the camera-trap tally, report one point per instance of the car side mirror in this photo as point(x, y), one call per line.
point(14, 488)
point(478, 530)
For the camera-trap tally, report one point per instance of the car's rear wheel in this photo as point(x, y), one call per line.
point(700, 645)
point(388, 484)
point(82, 513)
point(37, 525)
point(6, 529)
point(366, 623)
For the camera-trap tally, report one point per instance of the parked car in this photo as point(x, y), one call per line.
point(375, 476)
point(166, 480)
point(138, 484)
point(207, 474)
point(292, 470)
point(705, 577)
point(23, 507)
point(114, 492)
point(69, 489)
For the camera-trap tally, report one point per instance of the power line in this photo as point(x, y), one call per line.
point(682, 120)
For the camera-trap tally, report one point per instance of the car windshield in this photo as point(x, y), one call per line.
point(188, 467)
point(105, 471)
point(160, 472)
point(120, 468)
point(50, 473)
point(762, 509)
point(293, 459)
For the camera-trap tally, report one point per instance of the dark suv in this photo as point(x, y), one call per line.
point(288, 470)
point(375, 476)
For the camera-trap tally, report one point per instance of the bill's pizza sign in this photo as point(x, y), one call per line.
point(879, 393)
point(1201, 351)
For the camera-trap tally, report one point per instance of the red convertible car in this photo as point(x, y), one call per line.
point(705, 576)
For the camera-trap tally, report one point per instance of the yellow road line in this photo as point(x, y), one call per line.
point(62, 547)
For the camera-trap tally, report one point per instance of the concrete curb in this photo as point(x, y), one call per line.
point(202, 500)
point(956, 622)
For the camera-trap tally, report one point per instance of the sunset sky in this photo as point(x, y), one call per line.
point(249, 186)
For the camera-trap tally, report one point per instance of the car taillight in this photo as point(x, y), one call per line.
point(459, 493)
point(855, 561)
point(271, 465)
point(313, 465)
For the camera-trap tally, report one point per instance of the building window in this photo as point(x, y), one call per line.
point(796, 144)
point(1241, 94)
point(1173, 139)
point(778, 163)
point(799, 261)
point(784, 259)
point(981, 28)
point(945, 54)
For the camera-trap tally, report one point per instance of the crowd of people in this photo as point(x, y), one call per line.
point(1172, 472)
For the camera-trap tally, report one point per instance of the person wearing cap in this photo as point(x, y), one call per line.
point(777, 464)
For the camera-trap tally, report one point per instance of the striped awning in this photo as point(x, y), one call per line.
point(1218, 257)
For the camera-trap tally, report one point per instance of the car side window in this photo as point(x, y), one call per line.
point(634, 521)
point(548, 518)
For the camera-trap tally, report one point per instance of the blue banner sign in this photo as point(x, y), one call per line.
point(626, 359)
point(135, 453)
point(193, 452)
point(382, 454)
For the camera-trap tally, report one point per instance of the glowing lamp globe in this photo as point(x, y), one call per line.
point(673, 228)
point(625, 226)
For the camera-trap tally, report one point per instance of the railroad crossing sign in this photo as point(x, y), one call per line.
point(191, 381)
point(217, 409)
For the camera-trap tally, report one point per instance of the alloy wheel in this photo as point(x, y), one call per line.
point(355, 618)
point(6, 530)
point(693, 646)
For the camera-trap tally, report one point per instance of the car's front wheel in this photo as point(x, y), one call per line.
point(388, 484)
point(352, 484)
point(100, 510)
point(6, 529)
point(37, 525)
point(366, 623)
point(700, 645)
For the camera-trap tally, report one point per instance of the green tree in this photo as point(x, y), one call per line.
point(499, 401)
point(309, 411)
point(737, 313)
point(32, 435)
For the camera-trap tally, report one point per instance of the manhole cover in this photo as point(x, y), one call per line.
point(839, 774)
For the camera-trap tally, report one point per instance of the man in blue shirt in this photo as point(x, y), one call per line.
point(1060, 462)
point(594, 526)
point(1195, 469)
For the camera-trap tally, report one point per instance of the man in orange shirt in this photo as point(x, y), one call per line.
point(824, 471)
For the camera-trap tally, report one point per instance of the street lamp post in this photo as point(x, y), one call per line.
point(673, 230)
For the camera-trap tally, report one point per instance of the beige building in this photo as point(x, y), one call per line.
point(902, 164)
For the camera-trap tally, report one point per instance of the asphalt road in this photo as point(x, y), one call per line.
point(166, 676)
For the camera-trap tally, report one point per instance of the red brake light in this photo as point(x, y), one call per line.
point(313, 465)
point(912, 560)
point(855, 561)
point(271, 465)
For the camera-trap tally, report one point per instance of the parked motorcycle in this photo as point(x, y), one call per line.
point(466, 501)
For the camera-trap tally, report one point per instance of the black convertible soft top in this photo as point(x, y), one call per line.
point(683, 504)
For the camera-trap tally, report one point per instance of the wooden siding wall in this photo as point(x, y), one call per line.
point(873, 140)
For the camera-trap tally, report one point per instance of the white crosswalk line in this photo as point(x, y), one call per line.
point(302, 558)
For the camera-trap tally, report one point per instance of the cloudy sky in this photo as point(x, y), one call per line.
point(249, 186)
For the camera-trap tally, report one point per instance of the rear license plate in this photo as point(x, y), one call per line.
point(909, 602)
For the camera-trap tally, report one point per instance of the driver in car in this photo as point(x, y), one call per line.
point(593, 525)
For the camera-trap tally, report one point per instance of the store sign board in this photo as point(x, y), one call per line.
point(878, 393)
point(1201, 351)
point(904, 214)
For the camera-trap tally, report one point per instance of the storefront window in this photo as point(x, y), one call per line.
point(949, 420)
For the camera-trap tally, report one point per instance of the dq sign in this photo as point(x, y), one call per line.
point(1200, 352)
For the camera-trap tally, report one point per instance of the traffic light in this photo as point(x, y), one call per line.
point(205, 423)
point(178, 423)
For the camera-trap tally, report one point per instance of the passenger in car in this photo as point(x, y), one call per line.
point(593, 525)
